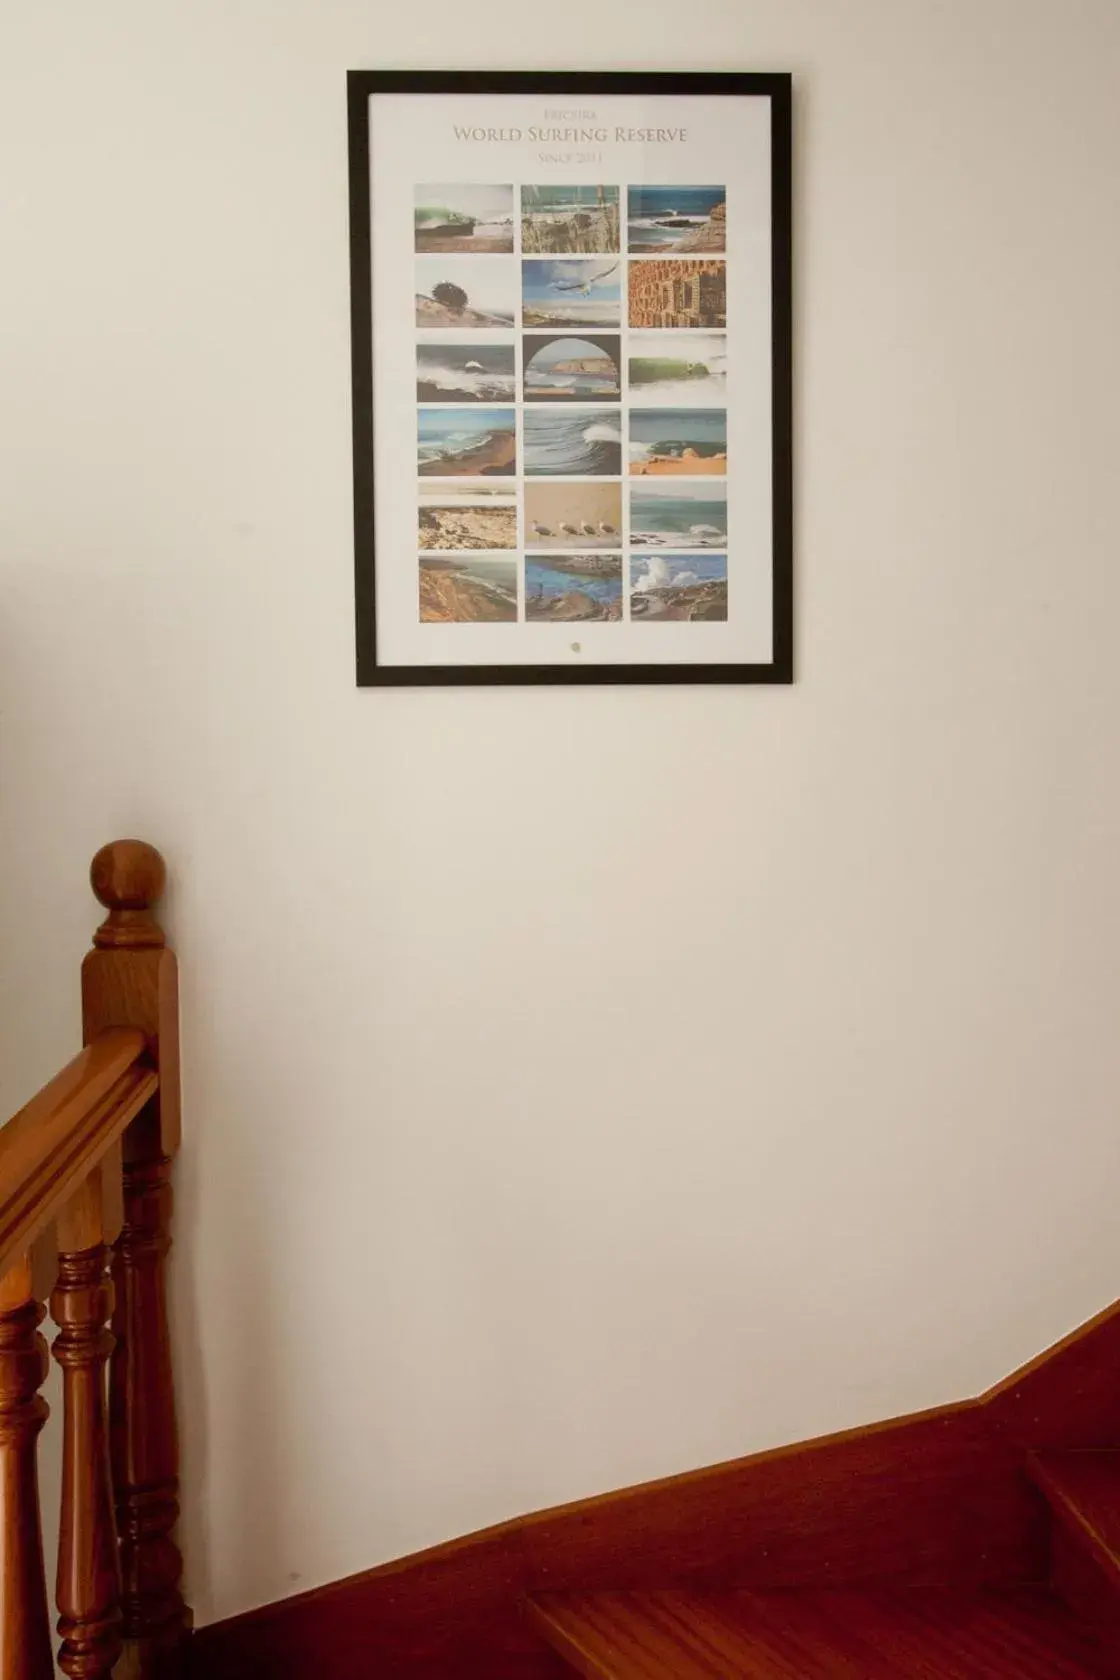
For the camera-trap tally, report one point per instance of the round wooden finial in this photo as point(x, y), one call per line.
point(127, 877)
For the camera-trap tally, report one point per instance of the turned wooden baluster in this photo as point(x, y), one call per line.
point(130, 979)
point(89, 1587)
point(25, 1639)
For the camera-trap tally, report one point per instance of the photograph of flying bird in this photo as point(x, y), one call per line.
point(583, 286)
point(572, 293)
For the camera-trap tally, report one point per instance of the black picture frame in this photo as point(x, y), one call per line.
point(775, 86)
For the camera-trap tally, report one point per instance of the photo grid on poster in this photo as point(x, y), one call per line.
point(571, 402)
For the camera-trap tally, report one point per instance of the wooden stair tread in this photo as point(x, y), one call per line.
point(926, 1634)
point(1083, 1489)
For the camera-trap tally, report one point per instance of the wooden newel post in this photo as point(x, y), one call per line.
point(130, 979)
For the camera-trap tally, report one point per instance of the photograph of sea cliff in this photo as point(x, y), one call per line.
point(564, 369)
point(689, 587)
point(678, 368)
point(465, 514)
point(466, 442)
point(683, 442)
point(571, 294)
point(464, 218)
point(463, 292)
point(578, 515)
point(465, 372)
point(573, 219)
point(678, 515)
point(570, 441)
point(573, 588)
point(678, 292)
point(467, 590)
point(676, 219)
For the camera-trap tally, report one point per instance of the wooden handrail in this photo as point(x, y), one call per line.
point(51, 1146)
point(87, 1162)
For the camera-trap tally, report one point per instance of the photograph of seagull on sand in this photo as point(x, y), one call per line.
point(567, 441)
point(561, 369)
point(676, 219)
point(678, 515)
point(678, 368)
point(466, 442)
point(679, 442)
point(570, 588)
point(465, 372)
point(460, 513)
point(571, 294)
point(574, 219)
point(464, 218)
point(465, 292)
point(692, 587)
point(467, 590)
point(573, 516)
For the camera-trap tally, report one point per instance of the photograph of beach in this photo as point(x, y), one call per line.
point(573, 516)
point(565, 369)
point(569, 441)
point(573, 219)
point(676, 219)
point(678, 515)
point(464, 218)
point(465, 372)
point(685, 442)
point(678, 368)
point(468, 590)
point(571, 294)
point(678, 292)
point(692, 587)
point(460, 292)
point(570, 588)
point(466, 514)
point(466, 442)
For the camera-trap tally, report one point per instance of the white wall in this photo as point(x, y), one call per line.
point(580, 1085)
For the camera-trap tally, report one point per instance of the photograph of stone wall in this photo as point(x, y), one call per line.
point(677, 292)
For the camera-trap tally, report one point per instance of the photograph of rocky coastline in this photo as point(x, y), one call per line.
point(467, 522)
point(571, 219)
point(570, 588)
point(463, 292)
point(682, 442)
point(678, 292)
point(688, 587)
point(464, 218)
point(466, 442)
point(573, 516)
point(676, 219)
point(468, 590)
point(465, 372)
point(564, 369)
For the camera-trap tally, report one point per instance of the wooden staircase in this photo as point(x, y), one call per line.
point(843, 1636)
point(1065, 1629)
point(977, 1540)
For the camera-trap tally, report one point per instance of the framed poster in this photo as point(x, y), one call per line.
point(570, 315)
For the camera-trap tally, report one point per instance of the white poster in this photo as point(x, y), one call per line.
point(570, 436)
